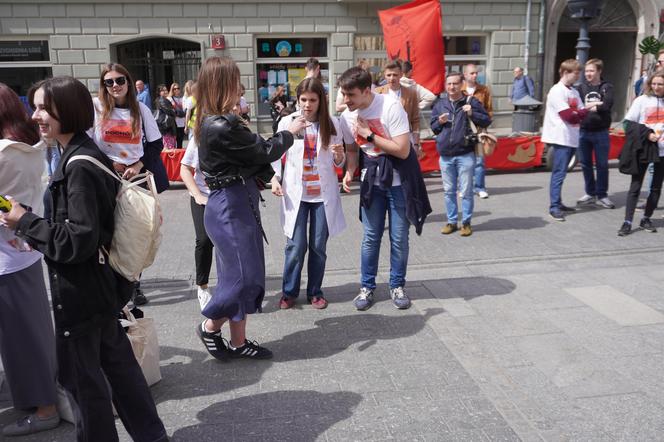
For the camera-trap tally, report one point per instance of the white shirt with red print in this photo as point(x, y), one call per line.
point(649, 110)
point(564, 112)
point(385, 116)
point(114, 137)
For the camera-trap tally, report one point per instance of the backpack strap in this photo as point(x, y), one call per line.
point(135, 181)
point(96, 162)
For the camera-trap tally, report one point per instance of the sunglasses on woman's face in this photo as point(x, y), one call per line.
point(120, 81)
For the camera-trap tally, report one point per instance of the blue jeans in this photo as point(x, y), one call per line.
point(561, 157)
point(599, 143)
point(453, 170)
point(393, 202)
point(296, 248)
point(480, 171)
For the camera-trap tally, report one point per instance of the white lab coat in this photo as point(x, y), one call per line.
point(291, 182)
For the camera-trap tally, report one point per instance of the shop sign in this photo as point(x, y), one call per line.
point(23, 50)
point(217, 41)
point(292, 47)
point(168, 55)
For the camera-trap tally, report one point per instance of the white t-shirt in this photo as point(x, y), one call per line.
point(649, 110)
point(189, 102)
point(385, 116)
point(190, 158)
point(555, 130)
point(114, 138)
point(26, 187)
point(178, 103)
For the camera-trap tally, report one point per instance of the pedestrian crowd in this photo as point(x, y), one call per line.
point(225, 167)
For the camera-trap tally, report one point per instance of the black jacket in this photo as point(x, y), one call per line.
point(227, 147)
point(600, 120)
point(166, 117)
point(638, 149)
point(84, 288)
point(412, 184)
point(451, 136)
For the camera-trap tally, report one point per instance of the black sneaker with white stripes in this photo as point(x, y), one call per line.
point(250, 350)
point(214, 343)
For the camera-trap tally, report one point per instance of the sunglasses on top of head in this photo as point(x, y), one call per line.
point(120, 81)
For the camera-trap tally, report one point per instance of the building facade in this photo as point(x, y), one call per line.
point(162, 42)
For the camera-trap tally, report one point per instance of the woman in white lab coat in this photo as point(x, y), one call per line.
point(308, 186)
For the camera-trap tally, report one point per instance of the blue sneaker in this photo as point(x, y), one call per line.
point(399, 298)
point(558, 215)
point(364, 299)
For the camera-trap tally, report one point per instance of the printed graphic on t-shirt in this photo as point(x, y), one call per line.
point(310, 177)
point(118, 132)
point(654, 119)
point(377, 128)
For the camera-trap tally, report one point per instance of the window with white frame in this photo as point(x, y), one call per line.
point(459, 50)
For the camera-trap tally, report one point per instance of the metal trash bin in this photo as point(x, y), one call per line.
point(524, 118)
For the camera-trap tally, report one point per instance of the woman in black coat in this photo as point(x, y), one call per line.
point(235, 162)
point(86, 292)
point(166, 118)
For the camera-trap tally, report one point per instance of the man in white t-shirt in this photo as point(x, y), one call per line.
point(564, 112)
point(377, 124)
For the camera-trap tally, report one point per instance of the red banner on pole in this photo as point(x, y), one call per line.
point(414, 32)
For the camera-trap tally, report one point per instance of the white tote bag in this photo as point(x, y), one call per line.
point(142, 335)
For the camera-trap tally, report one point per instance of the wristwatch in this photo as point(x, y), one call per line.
point(370, 137)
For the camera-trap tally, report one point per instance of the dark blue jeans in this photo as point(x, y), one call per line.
point(561, 157)
point(392, 202)
point(296, 248)
point(599, 143)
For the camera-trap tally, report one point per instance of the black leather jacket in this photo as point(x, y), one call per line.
point(228, 148)
point(85, 291)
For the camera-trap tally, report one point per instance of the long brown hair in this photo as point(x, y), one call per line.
point(647, 90)
point(15, 124)
point(217, 89)
point(108, 103)
point(326, 125)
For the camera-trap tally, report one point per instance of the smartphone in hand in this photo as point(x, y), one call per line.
point(5, 205)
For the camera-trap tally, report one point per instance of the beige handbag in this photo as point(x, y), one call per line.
point(487, 142)
point(142, 335)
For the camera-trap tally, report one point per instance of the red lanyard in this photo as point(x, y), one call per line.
point(310, 150)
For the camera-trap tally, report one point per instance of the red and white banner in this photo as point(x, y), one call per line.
point(414, 32)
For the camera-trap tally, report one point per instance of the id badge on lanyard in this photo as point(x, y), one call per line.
point(310, 177)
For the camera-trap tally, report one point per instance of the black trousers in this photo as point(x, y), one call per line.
point(179, 136)
point(635, 190)
point(85, 363)
point(204, 246)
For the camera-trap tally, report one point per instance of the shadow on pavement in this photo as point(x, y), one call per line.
point(514, 189)
point(512, 223)
point(441, 218)
point(279, 415)
point(191, 373)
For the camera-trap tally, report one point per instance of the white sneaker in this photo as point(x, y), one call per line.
point(586, 199)
point(483, 194)
point(605, 202)
point(204, 297)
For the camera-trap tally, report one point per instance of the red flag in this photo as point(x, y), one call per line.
point(414, 32)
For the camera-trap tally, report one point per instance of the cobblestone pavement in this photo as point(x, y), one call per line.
point(530, 329)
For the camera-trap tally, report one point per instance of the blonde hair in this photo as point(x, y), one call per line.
point(218, 89)
point(569, 65)
point(599, 64)
point(187, 88)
